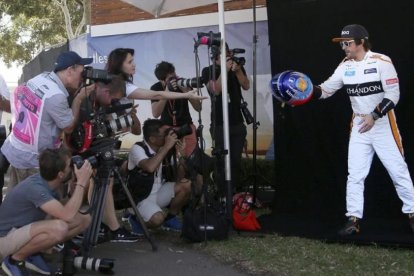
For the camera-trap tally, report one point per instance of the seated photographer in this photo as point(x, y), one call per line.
point(42, 104)
point(174, 113)
point(154, 193)
point(32, 219)
point(97, 104)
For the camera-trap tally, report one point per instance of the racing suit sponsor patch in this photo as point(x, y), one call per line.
point(391, 81)
point(349, 73)
point(364, 89)
point(370, 70)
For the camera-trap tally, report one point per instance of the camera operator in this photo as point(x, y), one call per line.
point(174, 113)
point(32, 219)
point(40, 113)
point(236, 79)
point(105, 93)
point(4, 106)
point(147, 159)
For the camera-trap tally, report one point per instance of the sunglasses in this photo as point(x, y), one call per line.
point(346, 43)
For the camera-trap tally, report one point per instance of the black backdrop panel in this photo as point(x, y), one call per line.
point(311, 141)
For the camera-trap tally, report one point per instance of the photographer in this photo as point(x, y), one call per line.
point(146, 159)
point(97, 103)
point(33, 220)
point(236, 79)
point(4, 106)
point(174, 113)
point(40, 113)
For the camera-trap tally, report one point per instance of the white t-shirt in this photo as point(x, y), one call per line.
point(130, 87)
point(4, 92)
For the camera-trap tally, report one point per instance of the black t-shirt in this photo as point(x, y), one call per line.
point(177, 107)
point(234, 97)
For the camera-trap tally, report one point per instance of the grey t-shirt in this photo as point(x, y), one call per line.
point(57, 115)
point(22, 204)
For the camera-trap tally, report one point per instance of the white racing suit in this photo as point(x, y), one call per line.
point(372, 84)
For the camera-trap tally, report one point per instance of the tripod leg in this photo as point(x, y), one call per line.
point(97, 203)
point(137, 214)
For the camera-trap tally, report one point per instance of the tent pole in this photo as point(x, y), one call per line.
point(224, 99)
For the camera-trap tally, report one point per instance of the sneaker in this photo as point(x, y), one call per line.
point(172, 224)
point(123, 235)
point(136, 227)
point(411, 220)
point(37, 263)
point(351, 227)
point(18, 269)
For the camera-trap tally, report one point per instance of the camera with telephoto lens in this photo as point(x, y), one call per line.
point(90, 75)
point(190, 83)
point(182, 131)
point(248, 118)
point(98, 127)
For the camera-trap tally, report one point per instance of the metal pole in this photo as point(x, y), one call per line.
point(225, 101)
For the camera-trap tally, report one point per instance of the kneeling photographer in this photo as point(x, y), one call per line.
point(96, 128)
point(32, 218)
point(147, 166)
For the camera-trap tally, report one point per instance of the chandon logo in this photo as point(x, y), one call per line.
point(364, 89)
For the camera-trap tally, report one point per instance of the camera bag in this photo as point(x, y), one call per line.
point(206, 221)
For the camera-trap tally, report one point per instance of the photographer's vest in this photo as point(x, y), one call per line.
point(27, 103)
point(139, 181)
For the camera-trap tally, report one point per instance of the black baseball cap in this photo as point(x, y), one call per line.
point(353, 31)
point(68, 59)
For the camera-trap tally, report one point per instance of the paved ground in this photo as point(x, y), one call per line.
point(169, 259)
point(172, 257)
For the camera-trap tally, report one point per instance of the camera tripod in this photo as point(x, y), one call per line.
point(105, 170)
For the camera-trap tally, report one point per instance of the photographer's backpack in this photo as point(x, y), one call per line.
point(139, 183)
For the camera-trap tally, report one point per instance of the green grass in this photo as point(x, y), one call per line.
point(276, 255)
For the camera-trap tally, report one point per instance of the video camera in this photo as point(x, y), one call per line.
point(190, 83)
point(239, 60)
point(91, 75)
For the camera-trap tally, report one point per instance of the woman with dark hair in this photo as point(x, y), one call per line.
point(121, 62)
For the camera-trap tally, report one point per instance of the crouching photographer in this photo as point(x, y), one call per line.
point(25, 227)
point(147, 181)
point(97, 131)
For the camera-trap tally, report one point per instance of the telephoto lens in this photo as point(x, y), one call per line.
point(94, 264)
point(119, 123)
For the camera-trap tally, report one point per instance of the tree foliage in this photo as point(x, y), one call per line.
point(29, 26)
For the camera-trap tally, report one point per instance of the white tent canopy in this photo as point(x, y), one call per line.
point(160, 7)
